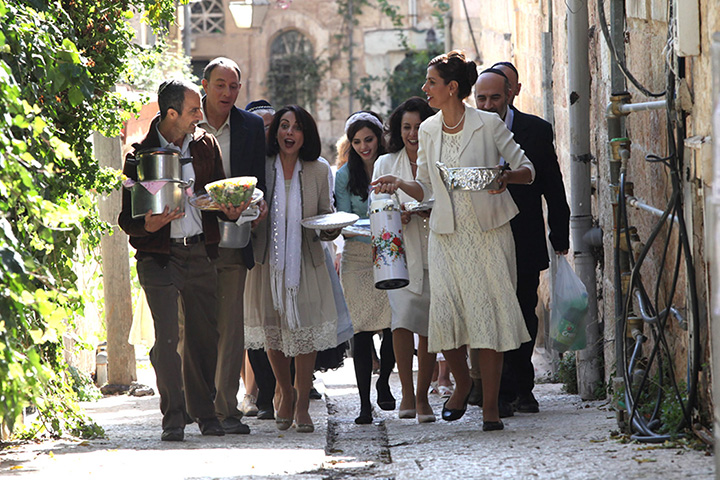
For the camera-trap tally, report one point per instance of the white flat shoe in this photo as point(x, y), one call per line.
point(409, 413)
point(248, 406)
point(425, 418)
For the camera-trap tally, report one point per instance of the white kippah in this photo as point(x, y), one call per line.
point(355, 117)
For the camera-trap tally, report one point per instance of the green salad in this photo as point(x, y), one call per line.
point(233, 191)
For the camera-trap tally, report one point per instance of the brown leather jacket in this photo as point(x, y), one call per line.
point(207, 162)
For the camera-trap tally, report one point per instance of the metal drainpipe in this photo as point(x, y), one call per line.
point(547, 82)
point(589, 360)
point(412, 13)
point(351, 74)
point(713, 251)
point(616, 129)
point(187, 30)
point(448, 31)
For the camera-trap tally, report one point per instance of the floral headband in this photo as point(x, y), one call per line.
point(356, 117)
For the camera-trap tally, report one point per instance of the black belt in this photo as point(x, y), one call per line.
point(188, 240)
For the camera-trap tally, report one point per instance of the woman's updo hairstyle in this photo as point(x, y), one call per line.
point(454, 66)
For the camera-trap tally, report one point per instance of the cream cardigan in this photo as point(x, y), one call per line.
point(484, 139)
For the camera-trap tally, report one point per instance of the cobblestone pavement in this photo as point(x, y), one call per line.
point(568, 439)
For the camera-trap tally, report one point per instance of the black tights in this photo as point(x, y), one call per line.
point(362, 359)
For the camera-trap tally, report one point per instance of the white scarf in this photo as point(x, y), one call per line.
point(286, 244)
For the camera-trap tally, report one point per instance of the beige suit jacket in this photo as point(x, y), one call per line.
point(484, 139)
point(315, 192)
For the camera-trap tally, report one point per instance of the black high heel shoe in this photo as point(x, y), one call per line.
point(492, 426)
point(450, 414)
point(365, 417)
point(385, 399)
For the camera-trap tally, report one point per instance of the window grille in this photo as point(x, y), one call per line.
point(207, 17)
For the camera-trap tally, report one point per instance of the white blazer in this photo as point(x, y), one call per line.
point(484, 139)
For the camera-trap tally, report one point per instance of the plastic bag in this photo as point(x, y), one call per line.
point(569, 309)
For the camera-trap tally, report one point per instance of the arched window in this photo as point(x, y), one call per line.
point(294, 72)
point(207, 16)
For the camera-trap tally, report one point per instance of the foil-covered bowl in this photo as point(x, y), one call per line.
point(469, 178)
point(418, 206)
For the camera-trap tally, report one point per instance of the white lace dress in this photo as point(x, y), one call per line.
point(472, 279)
point(266, 328)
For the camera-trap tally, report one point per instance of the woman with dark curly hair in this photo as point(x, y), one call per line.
point(289, 305)
point(369, 308)
point(410, 305)
point(470, 248)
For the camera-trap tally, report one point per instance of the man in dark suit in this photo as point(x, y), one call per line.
point(241, 136)
point(494, 92)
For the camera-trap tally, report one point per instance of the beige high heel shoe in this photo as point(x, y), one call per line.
point(285, 423)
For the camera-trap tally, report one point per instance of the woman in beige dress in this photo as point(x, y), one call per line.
point(410, 305)
point(470, 249)
point(290, 309)
point(369, 307)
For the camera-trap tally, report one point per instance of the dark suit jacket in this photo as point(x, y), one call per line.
point(535, 136)
point(247, 156)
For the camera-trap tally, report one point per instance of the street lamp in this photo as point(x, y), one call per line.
point(249, 13)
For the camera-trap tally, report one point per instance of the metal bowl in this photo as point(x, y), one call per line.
point(233, 235)
point(469, 178)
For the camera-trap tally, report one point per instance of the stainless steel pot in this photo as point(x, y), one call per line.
point(158, 164)
point(172, 195)
point(233, 235)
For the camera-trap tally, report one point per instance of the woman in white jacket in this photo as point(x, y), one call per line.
point(410, 305)
point(470, 249)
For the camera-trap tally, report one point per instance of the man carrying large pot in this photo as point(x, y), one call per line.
point(175, 258)
point(241, 137)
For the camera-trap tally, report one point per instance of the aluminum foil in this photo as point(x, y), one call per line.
point(468, 178)
point(419, 206)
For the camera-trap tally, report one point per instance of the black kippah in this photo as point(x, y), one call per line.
point(496, 71)
point(508, 65)
point(258, 105)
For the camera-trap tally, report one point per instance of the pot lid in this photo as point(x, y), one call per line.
point(157, 151)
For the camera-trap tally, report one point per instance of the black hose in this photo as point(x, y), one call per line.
point(645, 428)
point(623, 67)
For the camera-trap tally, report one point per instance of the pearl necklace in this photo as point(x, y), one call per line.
point(454, 126)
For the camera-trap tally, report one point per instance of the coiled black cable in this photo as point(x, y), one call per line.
point(645, 428)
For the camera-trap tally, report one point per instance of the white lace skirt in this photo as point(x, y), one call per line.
point(410, 310)
point(472, 286)
point(369, 307)
point(265, 328)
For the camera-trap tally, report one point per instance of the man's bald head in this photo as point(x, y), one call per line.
point(512, 75)
point(492, 92)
